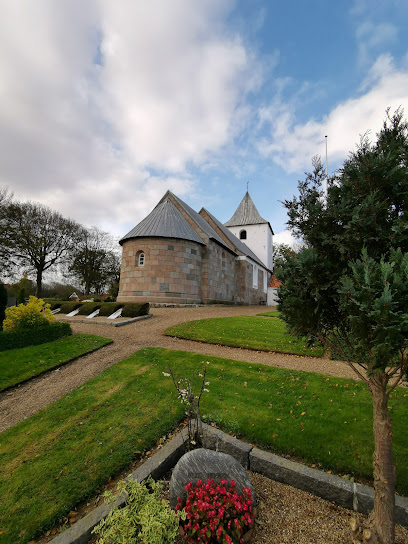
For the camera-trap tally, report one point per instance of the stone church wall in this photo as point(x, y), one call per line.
point(219, 275)
point(245, 291)
point(171, 272)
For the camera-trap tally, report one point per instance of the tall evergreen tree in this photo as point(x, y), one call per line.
point(347, 288)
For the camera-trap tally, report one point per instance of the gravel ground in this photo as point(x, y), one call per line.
point(23, 401)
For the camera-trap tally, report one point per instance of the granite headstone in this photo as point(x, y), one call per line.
point(202, 464)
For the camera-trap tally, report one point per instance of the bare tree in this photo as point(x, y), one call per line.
point(38, 237)
point(94, 261)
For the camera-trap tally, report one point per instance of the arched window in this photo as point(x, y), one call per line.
point(242, 235)
point(140, 258)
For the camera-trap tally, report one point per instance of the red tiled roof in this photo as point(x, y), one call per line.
point(275, 282)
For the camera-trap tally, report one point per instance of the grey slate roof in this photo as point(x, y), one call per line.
point(164, 221)
point(200, 221)
point(245, 214)
point(243, 248)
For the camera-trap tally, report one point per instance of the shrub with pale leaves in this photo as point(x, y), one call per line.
point(36, 313)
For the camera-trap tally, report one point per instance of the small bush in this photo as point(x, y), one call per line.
point(3, 304)
point(36, 313)
point(134, 309)
point(107, 308)
point(21, 296)
point(32, 337)
point(68, 307)
point(88, 307)
point(146, 518)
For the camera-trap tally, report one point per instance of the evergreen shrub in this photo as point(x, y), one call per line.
point(88, 307)
point(32, 337)
point(107, 308)
point(36, 313)
point(3, 304)
point(135, 309)
point(68, 307)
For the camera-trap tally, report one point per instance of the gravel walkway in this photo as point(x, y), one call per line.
point(21, 402)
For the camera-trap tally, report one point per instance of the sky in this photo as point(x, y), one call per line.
point(104, 105)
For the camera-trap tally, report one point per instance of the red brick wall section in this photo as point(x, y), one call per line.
point(171, 272)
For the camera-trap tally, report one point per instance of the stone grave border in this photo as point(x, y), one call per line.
point(105, 321)
point(317, 482)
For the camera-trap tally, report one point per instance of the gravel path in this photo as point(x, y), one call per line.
point(21, 402)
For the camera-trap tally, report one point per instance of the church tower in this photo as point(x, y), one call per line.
point(254, 231)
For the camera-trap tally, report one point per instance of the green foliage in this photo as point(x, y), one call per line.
point(21, 297)
point(135, 309)
point(366, 207)
point(68, 307)
point(88, 307)
point(54, 305)
point(3, 304)
point(375, 297)
point(146, 518)
point(20, 364)
point(108, 308)
point(33, 337)
point(36, 313)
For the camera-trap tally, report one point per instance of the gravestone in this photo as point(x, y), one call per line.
point(202, 464)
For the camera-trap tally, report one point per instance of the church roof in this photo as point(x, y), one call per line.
point(198, 220)
point(238, 245)
point(165, 221)
point(246, 214)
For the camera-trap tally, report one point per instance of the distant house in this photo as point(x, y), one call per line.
point(273, 287)
point(176, 255)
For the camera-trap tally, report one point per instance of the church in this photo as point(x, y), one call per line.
point(176, 255)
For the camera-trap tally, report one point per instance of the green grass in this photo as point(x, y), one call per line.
point(274, 313)
point(260, 333)
point(17, 365)
point(64, 453)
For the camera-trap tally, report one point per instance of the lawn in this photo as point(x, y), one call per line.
point(62, 454)
point(17, 365)
point(273, 313)
point(260, 333)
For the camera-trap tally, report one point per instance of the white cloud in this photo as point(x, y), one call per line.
point(285, 237)
point(292, 145)
point(105, 104)
point(372, 37)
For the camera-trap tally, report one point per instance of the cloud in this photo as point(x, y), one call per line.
point(104, 105)
point(371, 38)
point(292, 145)
point(285, 237)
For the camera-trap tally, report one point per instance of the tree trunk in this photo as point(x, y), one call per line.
point(382, 518)
point(39, 283)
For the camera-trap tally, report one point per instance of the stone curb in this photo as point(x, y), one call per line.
point(111, 323)
point(317, 482)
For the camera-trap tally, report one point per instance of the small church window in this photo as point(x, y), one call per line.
point(141, 259)
point(242, 235)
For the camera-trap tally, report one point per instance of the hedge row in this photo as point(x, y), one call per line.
point(130, 309)
point(33, 337)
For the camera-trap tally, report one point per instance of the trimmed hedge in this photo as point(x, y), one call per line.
point(107, 308)
point(130, 309)
point(88, 307)
point(134, 309)
point(33, 337)
point(67, 307)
